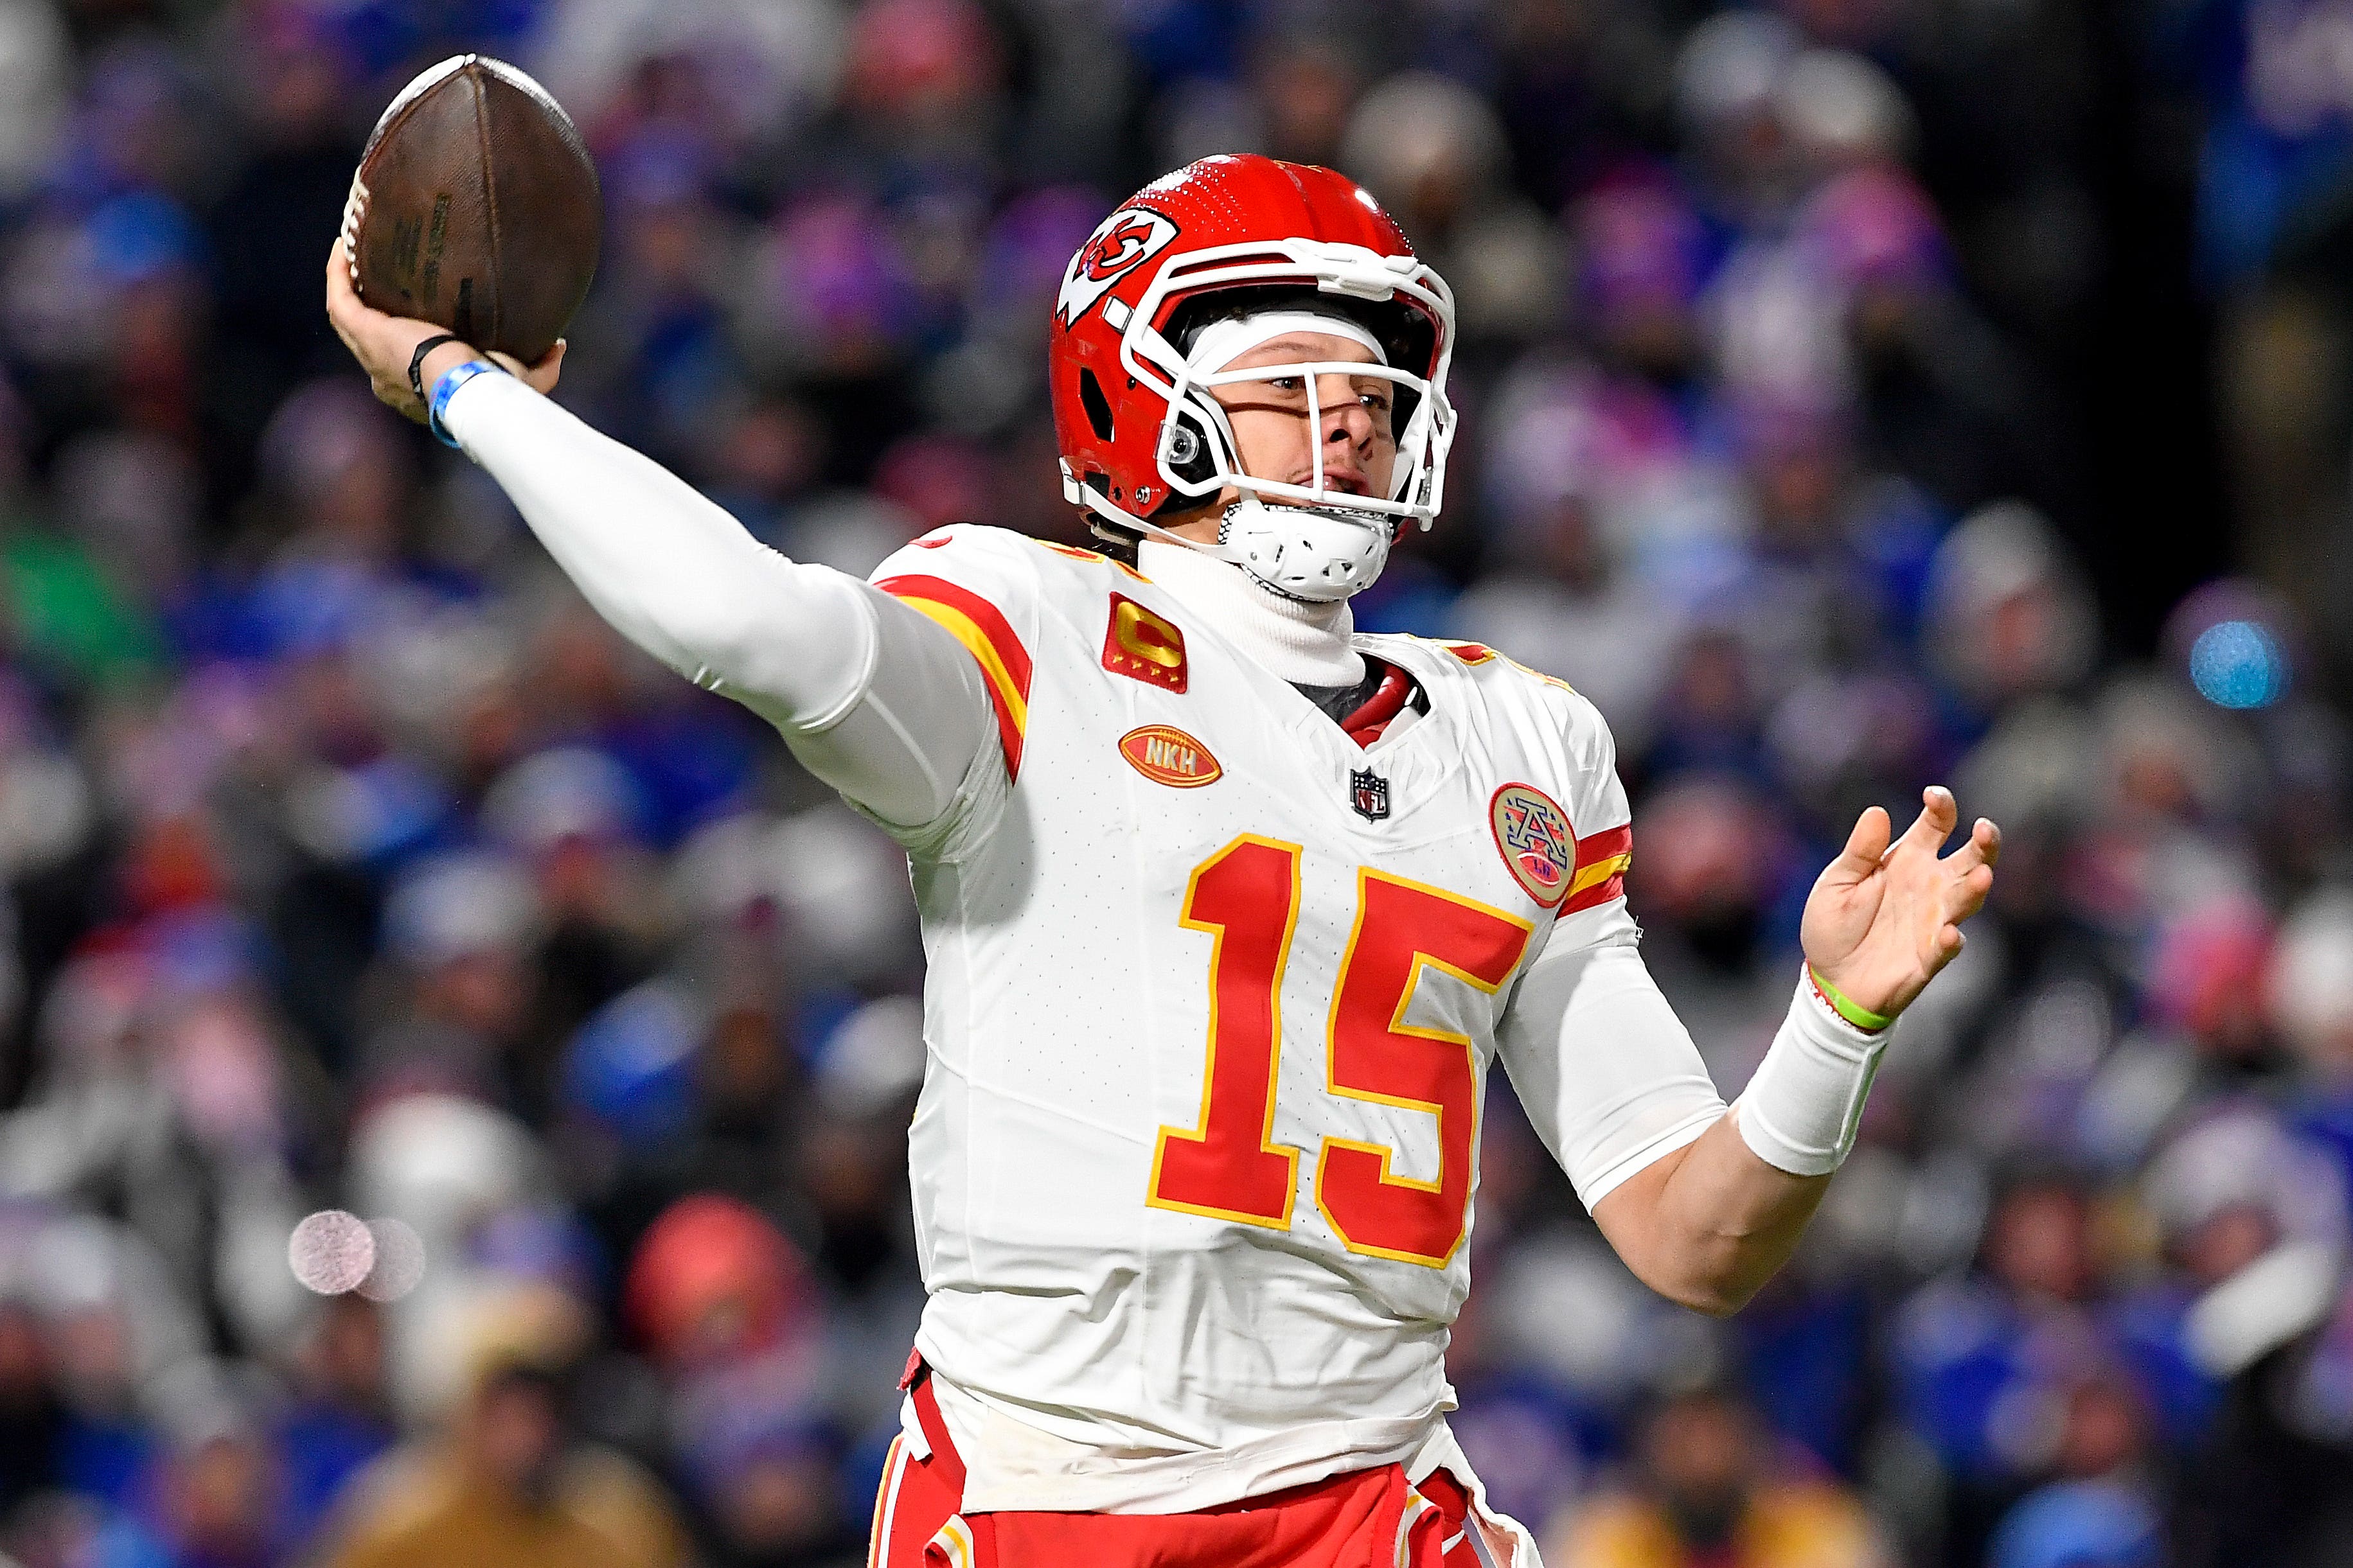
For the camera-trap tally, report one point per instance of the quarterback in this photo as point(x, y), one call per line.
point(1230, 909)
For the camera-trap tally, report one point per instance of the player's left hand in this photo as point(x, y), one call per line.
point(1885, 918)
point(383, 343)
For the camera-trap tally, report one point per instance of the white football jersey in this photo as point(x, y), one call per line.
point(1213, 998)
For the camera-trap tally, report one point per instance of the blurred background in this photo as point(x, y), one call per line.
point(1856, 392)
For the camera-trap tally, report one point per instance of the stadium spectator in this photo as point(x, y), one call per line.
point(507, 1482)
point(1709, 1491)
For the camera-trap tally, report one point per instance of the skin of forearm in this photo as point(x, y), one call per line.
point(1707, 1225)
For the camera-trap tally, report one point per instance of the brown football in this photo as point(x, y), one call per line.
point(475, 206)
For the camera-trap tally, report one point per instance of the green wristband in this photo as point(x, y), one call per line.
point(1853, 1012)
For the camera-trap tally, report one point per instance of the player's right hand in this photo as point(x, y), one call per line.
point(383, 343)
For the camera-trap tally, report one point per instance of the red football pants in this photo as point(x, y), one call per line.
point(1366, 1518)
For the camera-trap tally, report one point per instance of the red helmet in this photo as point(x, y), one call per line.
point(1140, 431)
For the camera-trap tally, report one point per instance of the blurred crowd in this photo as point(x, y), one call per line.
point(347, 862)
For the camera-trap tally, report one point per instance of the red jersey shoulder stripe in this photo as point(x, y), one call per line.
point(1614, 842)
point(982, 629)
point(1601, 862)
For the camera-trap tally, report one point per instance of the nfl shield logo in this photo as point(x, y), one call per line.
point(1369, 794)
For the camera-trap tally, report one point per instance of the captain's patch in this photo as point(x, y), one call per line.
point(1143, 646)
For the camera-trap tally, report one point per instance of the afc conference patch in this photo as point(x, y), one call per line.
point(1533, 835)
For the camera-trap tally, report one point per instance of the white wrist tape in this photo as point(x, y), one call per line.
point(1800, 1110)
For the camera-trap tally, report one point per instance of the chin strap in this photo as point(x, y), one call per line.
point(1314, 555)
point(1101, 514)
point(1317, 554)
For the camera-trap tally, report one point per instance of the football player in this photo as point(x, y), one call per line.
point(1230, 909)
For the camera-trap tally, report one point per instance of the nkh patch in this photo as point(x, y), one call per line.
point(1143, 646)
point(1533, 835)
point(1369, 794)
point(1167, 755)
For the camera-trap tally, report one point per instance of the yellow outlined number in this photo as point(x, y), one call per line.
point(1371, 1053)
point(1228, 1166)
point(1246, 897)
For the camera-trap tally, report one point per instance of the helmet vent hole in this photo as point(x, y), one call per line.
point(1098, 406)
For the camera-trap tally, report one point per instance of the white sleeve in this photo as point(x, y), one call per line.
point(874, 698)
point(1804, 1103)
point(1607, 1072)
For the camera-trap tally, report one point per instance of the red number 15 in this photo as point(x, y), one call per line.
point(1228, 1166)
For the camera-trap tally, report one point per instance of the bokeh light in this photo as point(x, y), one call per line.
point(399, 1262)
point(331, 1251)
point(2238, 664)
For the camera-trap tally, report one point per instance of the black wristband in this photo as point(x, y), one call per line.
point(417, 362)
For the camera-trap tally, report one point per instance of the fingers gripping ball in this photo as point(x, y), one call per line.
point(475, 206)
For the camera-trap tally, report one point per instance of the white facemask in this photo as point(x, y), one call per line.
point(1314, 554)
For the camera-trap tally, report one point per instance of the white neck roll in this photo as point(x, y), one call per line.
point(1306, 644)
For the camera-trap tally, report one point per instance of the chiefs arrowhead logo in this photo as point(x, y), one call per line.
point(1123, 242)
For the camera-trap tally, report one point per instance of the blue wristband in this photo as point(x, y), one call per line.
point(445, 388)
